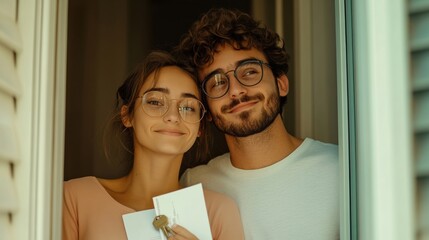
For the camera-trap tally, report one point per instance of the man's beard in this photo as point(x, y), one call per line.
point(247, 126)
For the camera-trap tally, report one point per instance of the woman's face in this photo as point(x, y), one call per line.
point(169, 133)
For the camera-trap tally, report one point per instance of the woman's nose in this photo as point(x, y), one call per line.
point(172, 114)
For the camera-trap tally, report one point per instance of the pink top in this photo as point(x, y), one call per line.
point(89, 212)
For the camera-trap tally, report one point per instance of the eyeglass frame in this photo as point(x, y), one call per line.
point(203, 112)
point(243, 62)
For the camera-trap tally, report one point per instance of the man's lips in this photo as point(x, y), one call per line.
point(245, 102)
point(242, 106)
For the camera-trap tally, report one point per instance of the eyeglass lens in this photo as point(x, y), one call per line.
point(248, 73)
point(156, 104)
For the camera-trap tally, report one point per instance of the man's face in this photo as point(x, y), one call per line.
point(243, 110)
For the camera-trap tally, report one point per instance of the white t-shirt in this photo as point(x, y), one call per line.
point(296, 198)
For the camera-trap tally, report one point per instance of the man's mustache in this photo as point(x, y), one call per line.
point(237, 101)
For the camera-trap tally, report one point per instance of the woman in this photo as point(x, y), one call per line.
point(159, 113)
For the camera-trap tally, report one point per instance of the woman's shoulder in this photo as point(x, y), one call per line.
point(214, 195)
point(80, 182)
point(82, 186)
point(216, 200)
point(224, 216)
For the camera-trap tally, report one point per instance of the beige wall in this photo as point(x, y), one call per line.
point(315, 70)
point(97, 63)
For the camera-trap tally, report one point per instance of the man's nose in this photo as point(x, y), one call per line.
point(236, 89)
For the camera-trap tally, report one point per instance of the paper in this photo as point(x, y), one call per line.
point(138, 225)
point(185, 207)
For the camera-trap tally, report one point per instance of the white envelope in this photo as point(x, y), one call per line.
point(138, 225)
point(185, 207)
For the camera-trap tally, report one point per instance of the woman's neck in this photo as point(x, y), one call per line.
point(148, 178)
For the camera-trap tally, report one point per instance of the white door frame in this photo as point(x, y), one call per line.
point(41, 66)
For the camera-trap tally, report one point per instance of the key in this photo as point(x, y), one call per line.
point(161, 222)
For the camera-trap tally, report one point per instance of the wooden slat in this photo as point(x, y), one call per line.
point(8, 9)
point(420, 70)
point(8, 199)
point(8, 77)
point(422, 155)
point(9, 149)
point(421, 109)
point(9, 33)
point(5, 227)
point(418, 6)
point(419, 31)
point(423, 209)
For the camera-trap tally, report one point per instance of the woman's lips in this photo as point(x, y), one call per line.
point(172, 132)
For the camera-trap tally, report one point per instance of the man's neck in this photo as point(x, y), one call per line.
point(262, 149)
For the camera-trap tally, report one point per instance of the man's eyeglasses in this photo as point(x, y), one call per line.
point(248, 73)
point(156, 104)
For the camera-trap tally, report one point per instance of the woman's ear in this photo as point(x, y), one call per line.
point(125, 116)
point(283, 84)
point(209, 116)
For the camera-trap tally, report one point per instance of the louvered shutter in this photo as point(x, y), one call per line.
point(419, 47)
point(9, 92)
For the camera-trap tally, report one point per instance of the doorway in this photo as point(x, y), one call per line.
point(106, 39)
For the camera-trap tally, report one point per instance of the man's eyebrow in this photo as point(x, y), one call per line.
point(245, 60)
point(218, 70)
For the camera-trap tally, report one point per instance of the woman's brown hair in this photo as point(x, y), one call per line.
point(118, 139)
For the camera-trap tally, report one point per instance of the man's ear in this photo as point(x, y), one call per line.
point(125, 117)
point(283, 85)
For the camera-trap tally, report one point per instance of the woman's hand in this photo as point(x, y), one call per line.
point(180, 233)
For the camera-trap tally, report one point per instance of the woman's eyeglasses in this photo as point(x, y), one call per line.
point(156, 104)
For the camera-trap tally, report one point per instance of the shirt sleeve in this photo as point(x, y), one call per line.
point(70, 222)
point(224, 216)
point(185, 178)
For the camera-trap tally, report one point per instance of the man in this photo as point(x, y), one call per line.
point(286, 187)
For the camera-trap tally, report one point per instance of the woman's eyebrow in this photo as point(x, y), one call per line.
point(189, 95)
point(158, 89)
point(167, 91)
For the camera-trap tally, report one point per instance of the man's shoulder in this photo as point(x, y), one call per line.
point(321, 157)
point(314, 154)
point(214, 164)
point(213, 168)
point(315, 147)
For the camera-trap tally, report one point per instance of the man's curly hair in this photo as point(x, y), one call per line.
point(221, 26)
